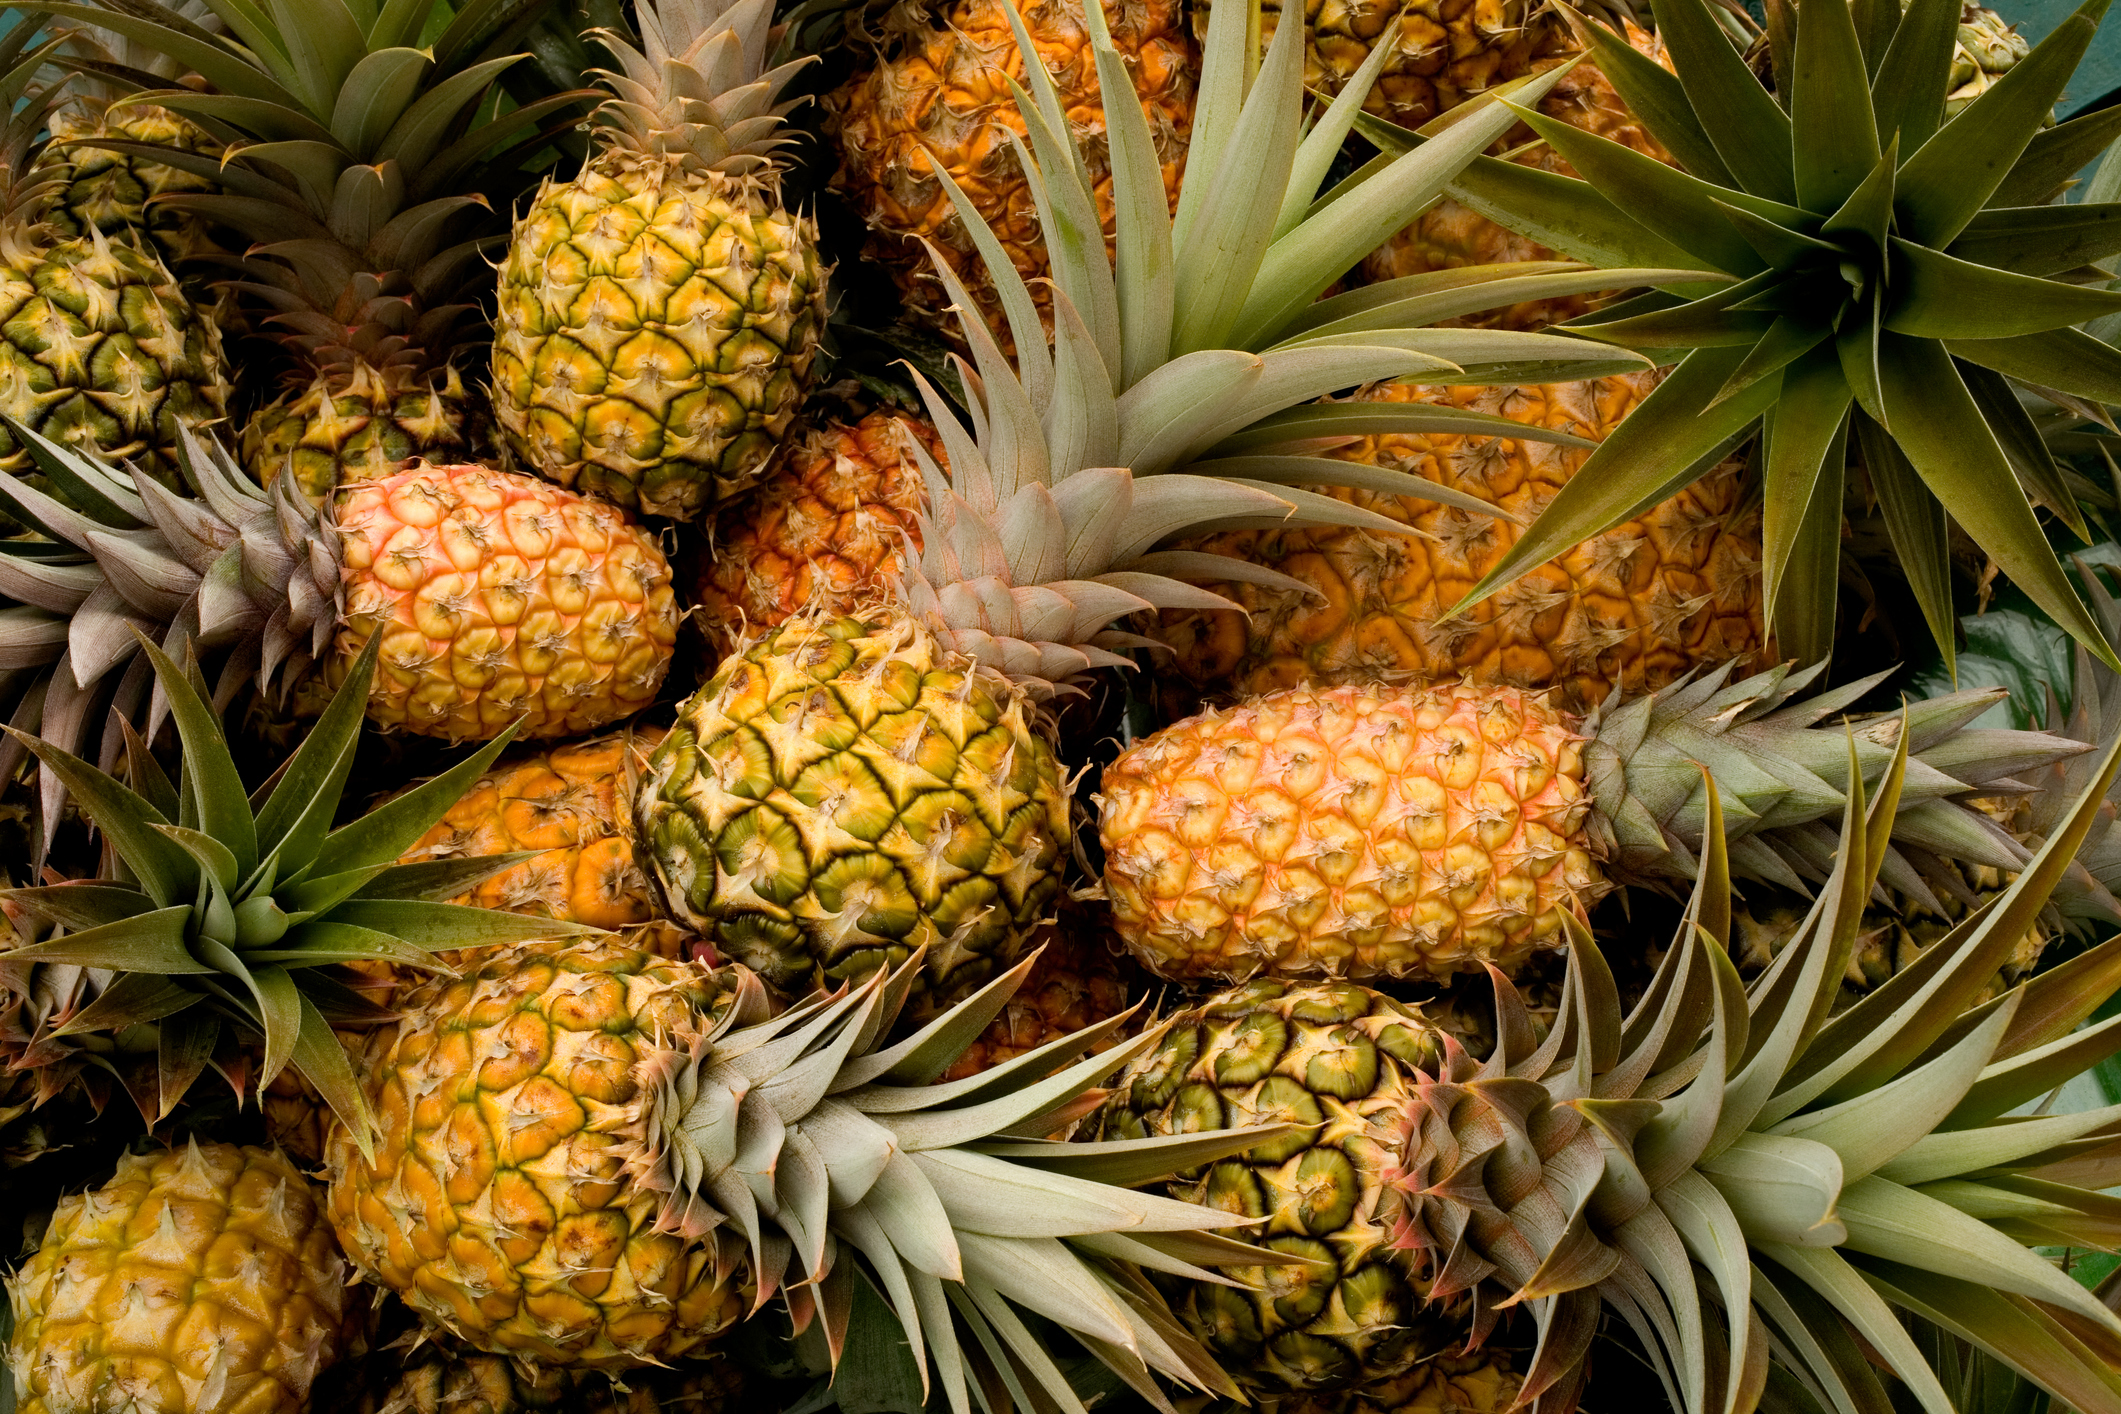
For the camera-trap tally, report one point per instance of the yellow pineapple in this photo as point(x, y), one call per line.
point(201, 1279)
point(939, 92)
point(1674, 589)
point(571, 802)
point(823, 533)
point(1370, 831)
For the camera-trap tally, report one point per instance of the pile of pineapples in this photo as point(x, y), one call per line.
point(1006, 706)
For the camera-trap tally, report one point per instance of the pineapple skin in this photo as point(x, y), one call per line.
point(571, 802)
point(1350, 833)
point(104, 350)
point(499, 596)
point(1480, 1383)
point(432, 1380)
point(1677, 588)
point(110, 191)
point(498, 1180)
point(1274, 1052)
point(190, 1270)
point(845, 791)
point(360, 423)
point(824, 533)
point(940, 86)
point(657, 332)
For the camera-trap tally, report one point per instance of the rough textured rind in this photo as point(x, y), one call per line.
point(357, 423)
point(1350, 832)
point(111, 190)
point(1672, 590)
point(100, 348)
point(1339, 1060)
point(498, 1204)
point(200, 1279)
point(573, 802)
point(657, 330)
point(824, 533)
point(940, 92)
point(500, 596)
point(846, 791)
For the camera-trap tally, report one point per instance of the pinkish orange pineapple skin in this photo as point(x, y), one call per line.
point(1350, 832)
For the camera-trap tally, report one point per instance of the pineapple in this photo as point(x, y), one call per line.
point(938, 94)
point(367, 250)
point(236, 926)
point(1484, 1383)
point(1418, 831)
point(1673, 590)
point(1338, 1063)
point(594, 1158)
point(660, 314)
point(1821, 1173)
point(495, 596)
point(567, 803)
point(1926, 391)
point(823, 534)
point(193, 1281)
point(846, 791)
point(102, 350)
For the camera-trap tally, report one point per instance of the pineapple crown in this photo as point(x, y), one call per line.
point(1730, 1170)
point(110, 65)
point(1782, 764)
point(229, 908)
point(698, 91)
point(827, 1148)
point(366, 170)
point(1215, 366)
point(1884, 277)
point(28, 186)
point(1161, 408)
point(251, 573)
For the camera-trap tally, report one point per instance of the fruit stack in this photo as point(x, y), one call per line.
point(1164, 706)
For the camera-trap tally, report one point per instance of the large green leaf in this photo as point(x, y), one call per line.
point(210, 773)
point(1651, 454)
point(1804, 429)
point(1750, 131)
point(1938, 297)
point(1654, 94)
point(385, 833)
point(1936, 423)
point(1919, 530)
point(1833, 134)
point(1907, 93)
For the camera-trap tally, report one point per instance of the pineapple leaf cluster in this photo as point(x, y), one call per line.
point(821, 1141)
point(230, 908)
point(1887, 279)
point(1745, 1174)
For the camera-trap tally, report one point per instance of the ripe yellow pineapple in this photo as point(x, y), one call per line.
point(198, 1279)
point(939, 92)
point(1370, 831)
point(497, 595)
point(1674, 589)
point(569, 801)
point(823, 533)
point(660, 314)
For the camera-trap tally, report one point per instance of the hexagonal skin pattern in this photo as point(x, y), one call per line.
point(657, 332)
point(500, 596)
point(100, 349)
point(1337, 1060)
point(1676, 588)
point(500, 1203)
point(196, 1280)
point(846, 791)
point(1353, 832)
point(573, 803)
